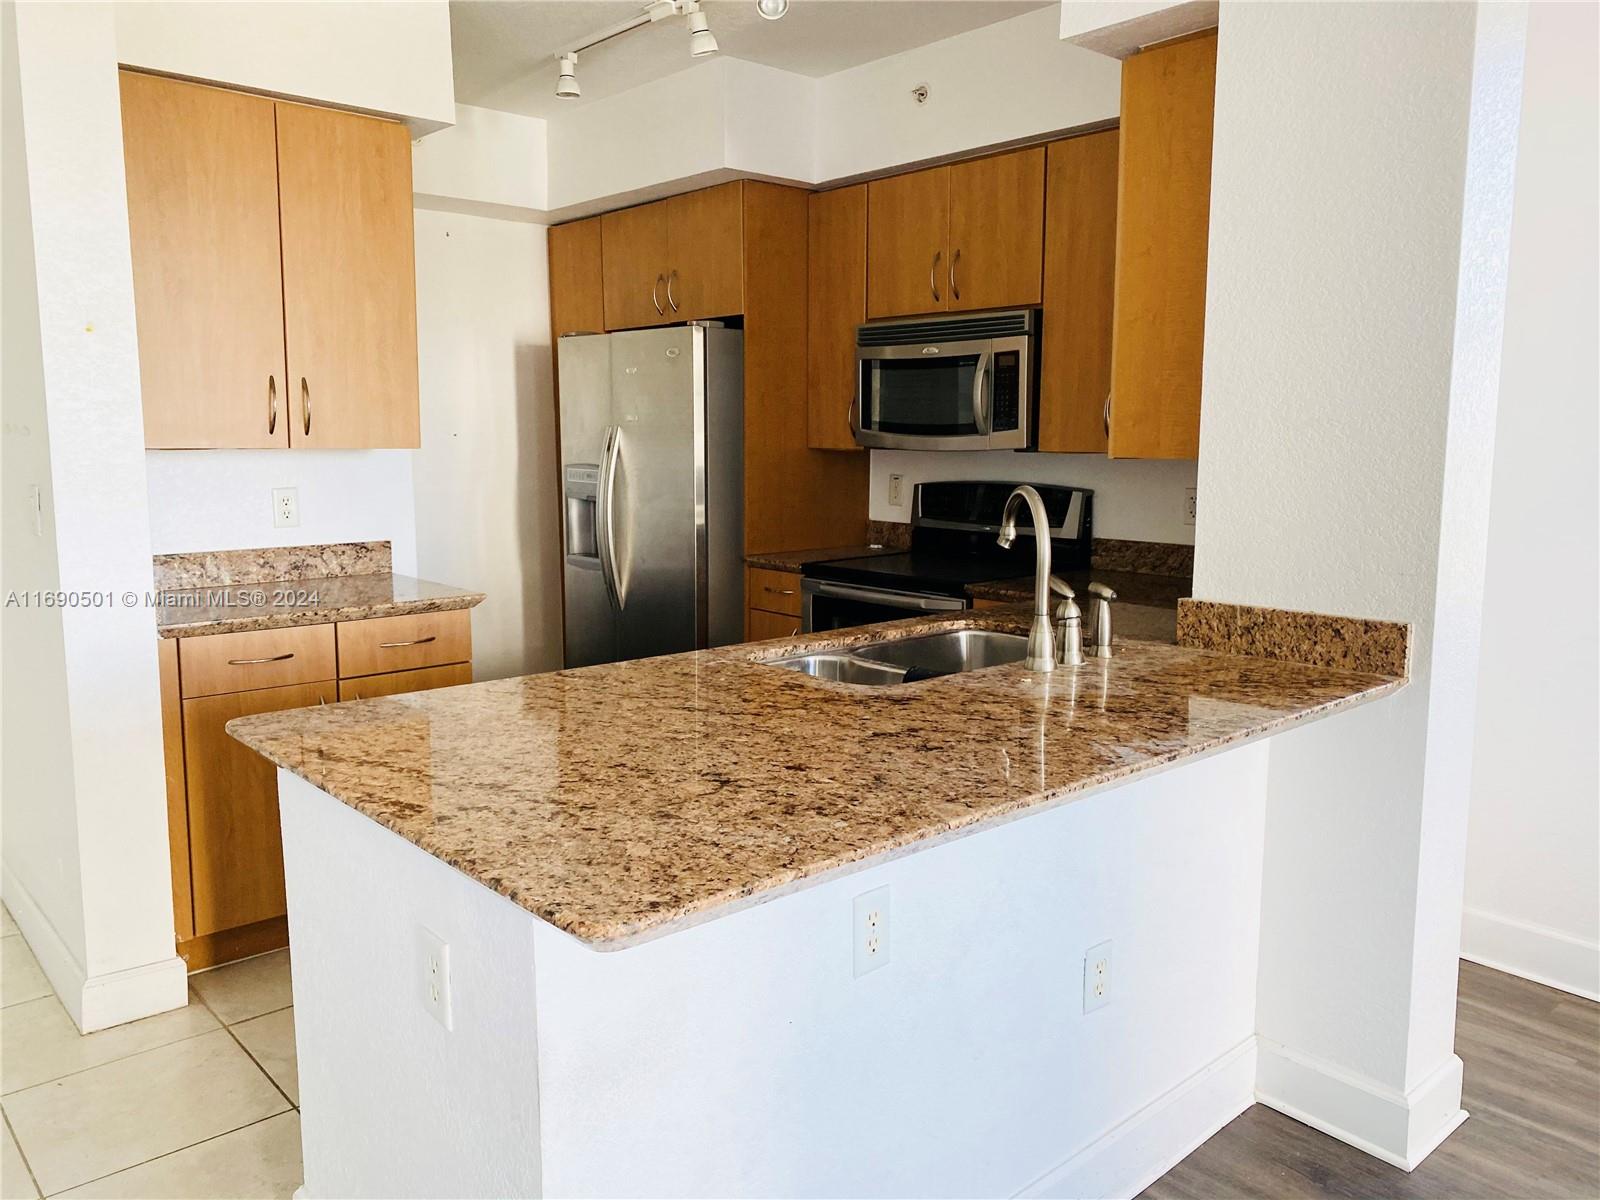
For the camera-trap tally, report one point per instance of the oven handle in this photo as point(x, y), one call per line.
point(844, 591)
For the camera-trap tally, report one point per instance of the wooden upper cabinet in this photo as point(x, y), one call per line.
point(349, 279)
point(996, 250)
point(705, 253)
point(837, 298)
point(1079, 281)
point(1163, 221)
point(577, 297)
point(634, 259)
point(203, 226)
point(908, 228)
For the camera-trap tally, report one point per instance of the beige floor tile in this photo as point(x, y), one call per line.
point(246, 989)
point(39, 1042)
point(261, 1160)
point(270, 1041)
point(8, 924)
point(116, 1116)
point(21, 979)
point(15, 1182)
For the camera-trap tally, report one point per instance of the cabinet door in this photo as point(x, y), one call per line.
point(762, 625)
point(349, 279)
point(705, 253)
point(397, 683)
point(837, 298)
point(203, 225)
point(577, 296)
point(1079, 280)
point(908, 227)
point(235, 846)
point(996, 231)
point(1163, 220)
point(634, 262)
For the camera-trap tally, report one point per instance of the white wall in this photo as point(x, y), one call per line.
point(1140, 501)
point(486, 477)
point(391, 58)
point(1360, 209)
point(222, 499)
point(490, 162)
point(1533, 854)
point(121, 964)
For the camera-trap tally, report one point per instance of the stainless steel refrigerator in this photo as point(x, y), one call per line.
point(652, 471)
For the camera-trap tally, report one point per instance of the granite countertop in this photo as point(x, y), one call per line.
point(1131, 587)
point(625, 801)
point(273, 604)
point(795, 560)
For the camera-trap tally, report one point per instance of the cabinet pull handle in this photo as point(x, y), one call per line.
point(670, 300)
point(272, 405)
point(432, 637)
point(781, 591)
point(655, 296)
point(305, 405)
point(250, 662)
point(933, 274)
point(1105, 414)
point(955, 261)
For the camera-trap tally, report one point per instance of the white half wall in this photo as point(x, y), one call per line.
point(486, 477)
point(1533, 851)
point(389, 58)
point(1361, 195)
point(489, 163)
point(1136, 500)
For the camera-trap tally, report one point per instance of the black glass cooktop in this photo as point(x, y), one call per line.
point(940, 574)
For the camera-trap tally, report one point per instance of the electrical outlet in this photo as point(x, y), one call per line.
point(870, 930)
point(285, 508)
point(1097, 977)
point(897, 490)
point(433, 970)
point(1188, 506)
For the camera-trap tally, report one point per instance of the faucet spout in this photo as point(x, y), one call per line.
point(1041, 639)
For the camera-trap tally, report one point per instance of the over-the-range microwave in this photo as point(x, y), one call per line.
point(948, 383)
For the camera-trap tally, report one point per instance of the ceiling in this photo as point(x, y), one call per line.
point(504, 49)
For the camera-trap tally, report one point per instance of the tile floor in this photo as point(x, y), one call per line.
point(198, 1102)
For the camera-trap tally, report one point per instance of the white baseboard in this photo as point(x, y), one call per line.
point(1401, 1128)
point(1129, 1157)
point(1534, 952)
point(94, 1001)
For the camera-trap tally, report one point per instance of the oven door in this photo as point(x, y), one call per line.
point(825, 605)
point(923, 397)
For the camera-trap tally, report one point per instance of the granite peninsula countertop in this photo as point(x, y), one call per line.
point(622, 802)
point(274, 604)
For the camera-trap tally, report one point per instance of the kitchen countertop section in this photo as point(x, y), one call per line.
point(236, 607)
point(795, 560)
point(622, 802)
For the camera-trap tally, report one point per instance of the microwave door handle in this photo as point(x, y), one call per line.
point(981, 416)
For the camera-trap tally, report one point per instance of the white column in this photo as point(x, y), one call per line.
point(1360, 211)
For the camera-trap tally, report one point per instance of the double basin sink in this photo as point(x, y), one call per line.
point(906, 660)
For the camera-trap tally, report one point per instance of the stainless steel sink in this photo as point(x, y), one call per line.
point(882, 663)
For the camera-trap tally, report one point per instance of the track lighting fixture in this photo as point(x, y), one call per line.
point(567, 81)
point(772, 9)
point(701, 40)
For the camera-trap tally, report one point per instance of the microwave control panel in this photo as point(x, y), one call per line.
point(1005, 397)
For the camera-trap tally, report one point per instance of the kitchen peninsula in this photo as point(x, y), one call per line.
point(809, 954)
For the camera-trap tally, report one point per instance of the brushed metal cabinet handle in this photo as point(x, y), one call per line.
point(432, 637)
point(272, 405)
point(783, 591)
point(933, 275)
point(955, 261)
point(670, 300)
point(250, 662)
point(655, 296)
point(305, 405)
point(1105, 414)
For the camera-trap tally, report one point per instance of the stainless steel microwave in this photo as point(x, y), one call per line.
point(948, 383)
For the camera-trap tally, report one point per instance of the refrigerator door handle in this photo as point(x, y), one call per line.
point(607, 515)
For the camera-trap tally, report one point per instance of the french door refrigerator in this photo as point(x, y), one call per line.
point(652, 470)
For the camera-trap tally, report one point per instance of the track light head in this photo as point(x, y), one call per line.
point(772, 10)
point(567, 81)
point(701, 40)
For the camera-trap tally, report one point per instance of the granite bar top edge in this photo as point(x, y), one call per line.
point(429, 597)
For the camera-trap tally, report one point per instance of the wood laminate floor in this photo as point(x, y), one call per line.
point(1532, 1087)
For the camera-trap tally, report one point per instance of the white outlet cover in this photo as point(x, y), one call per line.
point(1096, 977)
point(285, 508)
point(869, 930)
point(1189, 506)
point(433, 975)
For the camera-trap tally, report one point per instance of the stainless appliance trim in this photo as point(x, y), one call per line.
point(810, 589)
point(606, 498)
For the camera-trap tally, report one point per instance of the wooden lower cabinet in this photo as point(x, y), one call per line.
point(235, 847)
point(761, 625)
point(397, 683)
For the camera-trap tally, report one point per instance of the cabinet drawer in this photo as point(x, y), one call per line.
point(762, 625)
point(260, 658)
point(402, 643)
point(397, 683)
point(775, 591)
